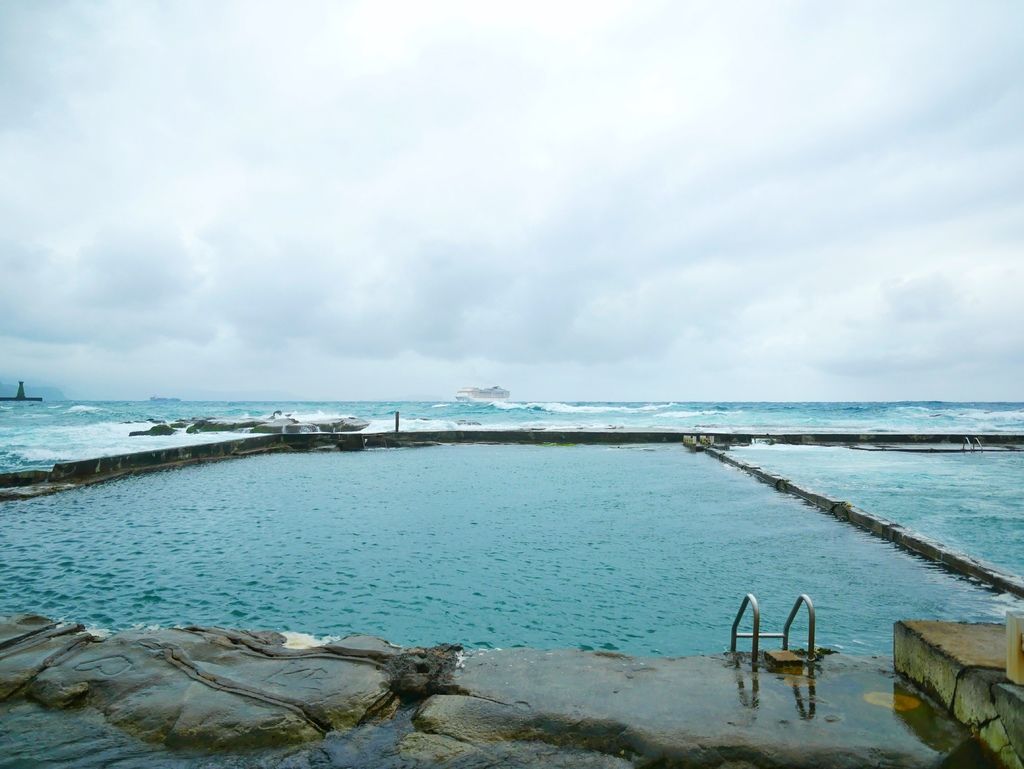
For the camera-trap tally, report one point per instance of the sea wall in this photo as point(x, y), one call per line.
point(68, 475)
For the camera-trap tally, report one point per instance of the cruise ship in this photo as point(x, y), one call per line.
point(486, 394)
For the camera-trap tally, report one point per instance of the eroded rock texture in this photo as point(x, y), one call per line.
point(184, 697)
point(208, 687)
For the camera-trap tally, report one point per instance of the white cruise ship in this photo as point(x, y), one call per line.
point(486, 394)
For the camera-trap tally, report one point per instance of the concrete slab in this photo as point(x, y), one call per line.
point(934, 654)
point(963, 666)
point(981, 645)
point(695, 711)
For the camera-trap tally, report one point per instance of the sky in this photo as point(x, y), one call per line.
point(577, 201)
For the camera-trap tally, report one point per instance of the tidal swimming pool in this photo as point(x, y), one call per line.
point(636, 549)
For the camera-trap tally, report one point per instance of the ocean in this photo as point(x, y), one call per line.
point(35, 435)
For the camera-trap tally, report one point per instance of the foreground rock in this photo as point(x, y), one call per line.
point(202, 687)
point(29, 644)
point(362, 702)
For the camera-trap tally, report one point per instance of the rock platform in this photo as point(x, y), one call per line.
point(208, 696)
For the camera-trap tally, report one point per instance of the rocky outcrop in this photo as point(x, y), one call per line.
point(157, 429)
point(206, 687)
point(276, 424)
point(364, 702)
point(213, 425)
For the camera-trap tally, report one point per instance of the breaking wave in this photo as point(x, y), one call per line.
point(569, 408)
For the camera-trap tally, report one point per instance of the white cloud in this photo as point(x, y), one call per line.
point(580, 200)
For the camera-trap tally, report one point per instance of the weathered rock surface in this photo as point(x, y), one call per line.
point(696, 711)
point(184, 687)
point(431, 750)
point(348, 424)
point(361, 702)
point(36, 737)
point(276, 424)
point(212, 425)
point(291, 425)
point(22, 626)
point(209, 687)
point(158, 429)
point(28, 644)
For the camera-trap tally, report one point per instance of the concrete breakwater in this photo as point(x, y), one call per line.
point(360, 701)
point(937, 552)
point(66, 475)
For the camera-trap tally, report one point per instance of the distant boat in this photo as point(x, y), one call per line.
point(161, 399)
point(20, 396)
point(481, 394)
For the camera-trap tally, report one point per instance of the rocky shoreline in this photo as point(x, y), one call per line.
point(277, 423)
point(255, 697)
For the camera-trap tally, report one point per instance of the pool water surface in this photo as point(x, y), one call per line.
point(636, 549)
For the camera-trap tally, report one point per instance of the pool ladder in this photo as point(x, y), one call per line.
point(756, 635)
point(968, 446)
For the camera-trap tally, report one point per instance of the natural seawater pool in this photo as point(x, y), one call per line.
point(971, 501)
point(646, 550)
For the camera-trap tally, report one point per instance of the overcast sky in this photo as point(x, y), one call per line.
point(592, 200)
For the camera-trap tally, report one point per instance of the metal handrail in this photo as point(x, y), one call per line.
point(753, 601)
point(755, 636)
point(804, 598)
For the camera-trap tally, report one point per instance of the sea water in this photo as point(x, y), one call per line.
point(35, 435)
point(971, 501)
point(645, 550)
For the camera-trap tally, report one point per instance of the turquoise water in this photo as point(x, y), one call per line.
point(38, 434)
point(643, 550)
point(972, 501)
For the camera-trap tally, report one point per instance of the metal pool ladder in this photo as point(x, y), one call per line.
point(756, 636)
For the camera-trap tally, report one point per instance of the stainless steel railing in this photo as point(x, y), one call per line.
point(756, 635)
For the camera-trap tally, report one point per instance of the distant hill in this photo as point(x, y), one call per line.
point(33, 391)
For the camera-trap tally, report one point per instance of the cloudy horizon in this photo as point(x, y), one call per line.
point(577, 201)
